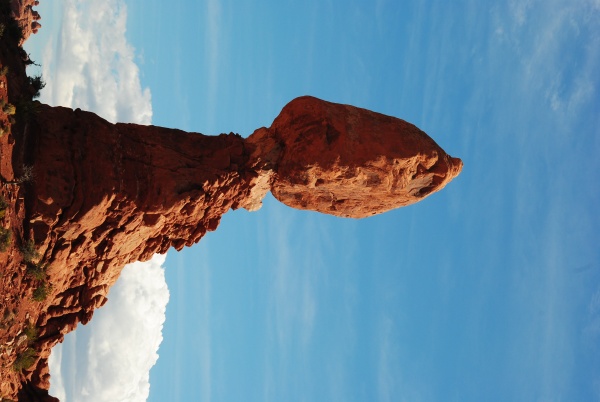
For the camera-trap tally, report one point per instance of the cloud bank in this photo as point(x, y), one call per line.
point(109, 360)
point(89, 64)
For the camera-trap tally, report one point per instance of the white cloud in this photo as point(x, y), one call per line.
point(89, 64)
point(113, 355)
point(214, 42)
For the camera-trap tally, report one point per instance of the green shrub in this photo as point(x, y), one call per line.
point(31, 332)
point(4, 128)
point(24, 360)
point(37, 83)
point(3, 206)
point(37, 271)
point(41, 292)
point(29, 252)
point(5, 239)
point(9, 109)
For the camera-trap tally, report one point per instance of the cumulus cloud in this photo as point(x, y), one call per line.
point(110, 359)
point(89, 64)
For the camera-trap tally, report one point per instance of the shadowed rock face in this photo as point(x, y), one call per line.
point(107, 194)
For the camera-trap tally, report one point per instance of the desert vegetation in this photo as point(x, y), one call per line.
point(42, 291)
point(5, 239)
point(24, 359)
point(5, 233)
point(28, 357)
point(37, 83)
point(36, 270)
point(7, 108)
point(28, 252)
point(3, 206)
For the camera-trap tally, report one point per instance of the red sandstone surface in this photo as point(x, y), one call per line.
point(26, 16)
point(103, 195)
point(351, 162)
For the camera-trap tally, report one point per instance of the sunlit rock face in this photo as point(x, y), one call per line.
point(351, 162)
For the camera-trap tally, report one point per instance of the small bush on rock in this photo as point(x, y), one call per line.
point(29, 252)
point(3, 206)
point(41, 292)
point(37, 83)
point(37, 271)
point(5, 239)
point(24, 360)
point(31, 332)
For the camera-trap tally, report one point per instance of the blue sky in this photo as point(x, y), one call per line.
point(488, 290)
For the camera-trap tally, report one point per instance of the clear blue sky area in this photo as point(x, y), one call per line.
point(486, 291)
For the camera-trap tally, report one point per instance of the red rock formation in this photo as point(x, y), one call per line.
point(104, 195)
point(351, 162)
point(108, 194)
point(23, 13)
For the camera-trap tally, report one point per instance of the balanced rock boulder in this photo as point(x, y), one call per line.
point(350, 162)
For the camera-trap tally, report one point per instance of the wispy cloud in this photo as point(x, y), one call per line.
point(293, 306)
point(391, 381)
point(554, 50)
point(385, 376)
point(293, 296)
point(213, 43)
